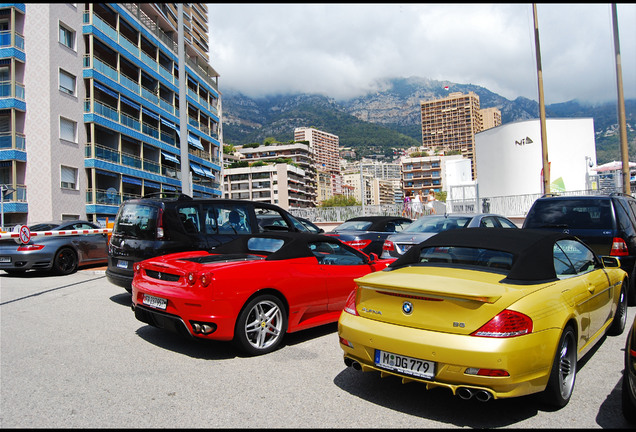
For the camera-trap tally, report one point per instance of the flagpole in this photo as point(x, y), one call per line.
point(544, 138)
point(621, 107)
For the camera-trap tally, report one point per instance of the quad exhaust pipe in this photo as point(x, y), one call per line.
point(467, 393)
point(352, 363)
point(463, 392)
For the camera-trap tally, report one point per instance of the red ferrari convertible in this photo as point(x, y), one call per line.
point(252, 290)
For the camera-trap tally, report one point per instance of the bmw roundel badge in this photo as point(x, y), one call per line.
point(407, 307)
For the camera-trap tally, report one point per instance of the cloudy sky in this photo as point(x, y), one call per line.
point(341, 50)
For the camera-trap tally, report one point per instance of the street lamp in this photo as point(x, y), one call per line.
point(4, 190)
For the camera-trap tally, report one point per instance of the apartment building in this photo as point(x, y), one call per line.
point(282, 184)
point(91, 112)
point(301, 155)
point(450, 124)
point(490, 118)
point(324, 145)
point(422, 173)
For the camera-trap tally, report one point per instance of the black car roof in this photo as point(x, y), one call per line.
point(532, 250)
point(376, 221)
point(296, 244)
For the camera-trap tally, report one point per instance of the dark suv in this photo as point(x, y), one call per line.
point(606, 223)
point(152, 226)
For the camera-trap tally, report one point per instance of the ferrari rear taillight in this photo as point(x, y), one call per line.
point(388, 246)
point(205, 279)
point(136, 268)
point(507, 324)
point(619, 247)
point(30, 247)
point(350, 305)
point(191, 277)
point(160, 232)
point(358, 244)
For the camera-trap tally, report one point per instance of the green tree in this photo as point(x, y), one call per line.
point(340, 201)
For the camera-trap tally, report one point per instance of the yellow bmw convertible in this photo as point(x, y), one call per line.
point(486, 312)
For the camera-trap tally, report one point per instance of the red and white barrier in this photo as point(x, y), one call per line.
point(21, 234)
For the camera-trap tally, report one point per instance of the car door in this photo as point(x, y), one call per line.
point(93, 246)
point(595, 296)
point(339, 266)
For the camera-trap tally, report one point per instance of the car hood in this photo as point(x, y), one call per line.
point(450, 300)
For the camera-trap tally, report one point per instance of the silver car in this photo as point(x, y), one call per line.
point(62, 254)
point(427, 226)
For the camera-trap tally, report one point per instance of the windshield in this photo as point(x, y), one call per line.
point(572, 213)
point(437, 224)
point(360, 225)
point(474, 257)
point(136, 221)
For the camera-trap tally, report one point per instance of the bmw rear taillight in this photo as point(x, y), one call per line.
point(619, 247)
point(358, 244)
point(350, 305)
point(506, 324)
point(388, 246)
point(160, 232)
point(30, 247)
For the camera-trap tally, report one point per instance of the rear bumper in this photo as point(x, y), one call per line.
point(527, 359)
point(119, 279)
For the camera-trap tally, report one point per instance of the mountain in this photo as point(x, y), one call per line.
point(377, 123)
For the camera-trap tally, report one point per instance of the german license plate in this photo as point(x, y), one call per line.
point(122, 264)
point(406, 365)
point(155, 302)
point(5, 259)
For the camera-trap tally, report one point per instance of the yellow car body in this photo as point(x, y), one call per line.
point(431, 312)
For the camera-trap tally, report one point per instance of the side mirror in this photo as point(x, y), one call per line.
point(611, 262)
point(373, 257)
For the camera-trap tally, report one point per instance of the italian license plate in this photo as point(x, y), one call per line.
point(122, 264)
point(5, 259)
point(155, 302)
point(406, 365)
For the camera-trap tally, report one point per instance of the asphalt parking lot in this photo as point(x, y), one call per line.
point(74, 356)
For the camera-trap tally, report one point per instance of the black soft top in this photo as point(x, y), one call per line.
point(532, 250)
point(378, 223)
point(296, 245)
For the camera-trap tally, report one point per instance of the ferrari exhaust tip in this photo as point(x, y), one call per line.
point(464, 393)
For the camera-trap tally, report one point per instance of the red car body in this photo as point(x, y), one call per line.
point(307, 278)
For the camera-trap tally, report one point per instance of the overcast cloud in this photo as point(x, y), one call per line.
point(341, 50)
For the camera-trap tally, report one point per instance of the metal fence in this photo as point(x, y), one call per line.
point(513, 206)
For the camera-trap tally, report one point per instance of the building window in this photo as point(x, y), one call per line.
point(67, 37)
point(68, 177)
point(68, 130)
point(67, 83)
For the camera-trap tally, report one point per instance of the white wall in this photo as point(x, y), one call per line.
point(509, 164)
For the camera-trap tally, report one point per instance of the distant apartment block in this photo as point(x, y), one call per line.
point(450, 123)
point(325, 147)
point(281, 184)
point(90, 108)
point(422, 173)
point(300, 154)
point(490, 118)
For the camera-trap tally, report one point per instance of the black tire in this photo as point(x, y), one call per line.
point(261, 325)
point(620, 317)
point(631, 293)
point(563, 373)
point(628, 398)
point(65, 261)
